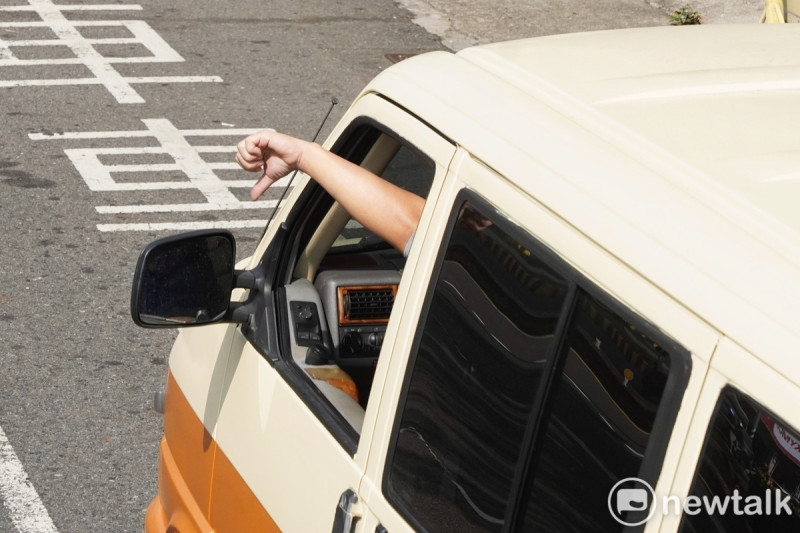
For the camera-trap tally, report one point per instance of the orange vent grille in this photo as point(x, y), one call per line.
point(362, 305)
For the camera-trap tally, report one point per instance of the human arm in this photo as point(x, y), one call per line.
point(385, 209)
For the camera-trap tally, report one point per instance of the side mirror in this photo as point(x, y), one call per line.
point(184, 280)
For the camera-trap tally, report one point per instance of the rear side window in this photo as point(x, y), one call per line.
point(529, 395)
point(603, 406)
point(749, 473)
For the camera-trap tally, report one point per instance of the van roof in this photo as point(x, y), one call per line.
point(737, 86)
point(687, 136)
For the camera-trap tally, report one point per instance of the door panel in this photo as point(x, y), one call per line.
point(276, 444)
point(196, 376)
point(288, 460)
point(602, 275)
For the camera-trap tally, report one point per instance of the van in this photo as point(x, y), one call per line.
point(615, 345)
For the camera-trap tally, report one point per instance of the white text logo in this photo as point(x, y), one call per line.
point(633, 502)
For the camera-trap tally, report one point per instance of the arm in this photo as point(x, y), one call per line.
point(383, 208)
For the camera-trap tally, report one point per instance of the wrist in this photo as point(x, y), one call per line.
point(308, 154)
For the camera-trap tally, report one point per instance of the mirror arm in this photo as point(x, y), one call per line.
point(244, 279)
point(238, 313)
point(243, 312)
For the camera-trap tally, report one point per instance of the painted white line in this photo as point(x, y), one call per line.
point(148, 167)
point(171, 185)
point(76, 23)
point(96, 81)
point(92, 59)
point(66, 7)
point(174, 79)
point(143, 33)
point(181, 162)
point(215, 149)
point(26, 510)
point(240, 184)
point(82, 135)
point(200, 174)
point(190, 162)
point(182, 208)
point(165, 167)
point(68, 35)
point(53, 42)
point(161, 186)
point(184, 226)
point(83, 61)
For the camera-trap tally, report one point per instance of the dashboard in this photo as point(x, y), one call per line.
point(341, 317)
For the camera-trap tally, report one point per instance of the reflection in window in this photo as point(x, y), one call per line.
point(488, 336)
point(527, 398)
point(750, 451)
point(604, 404)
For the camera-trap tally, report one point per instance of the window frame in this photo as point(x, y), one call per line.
point(282, 256)
point(674, 388)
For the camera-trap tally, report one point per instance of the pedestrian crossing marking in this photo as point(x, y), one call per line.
point(185, 159)
point(68, 34)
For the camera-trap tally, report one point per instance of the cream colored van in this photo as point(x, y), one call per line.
point(614, 345)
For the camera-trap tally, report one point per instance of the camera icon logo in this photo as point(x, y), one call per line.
point(629, 501)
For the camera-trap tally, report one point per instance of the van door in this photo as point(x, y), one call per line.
point(293, 435)
point(530, 373)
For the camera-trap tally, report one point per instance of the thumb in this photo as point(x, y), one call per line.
point(261, 186)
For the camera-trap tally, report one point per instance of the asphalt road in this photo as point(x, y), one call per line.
point(101, 151)
point(76, 376)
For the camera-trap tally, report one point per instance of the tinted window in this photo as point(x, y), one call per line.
point(527, 397)
point(603, 406)
point(751, 451)
point(489, 334)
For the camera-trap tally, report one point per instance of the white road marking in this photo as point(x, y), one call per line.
point(80, 135)
point(98, 170)
point(182, 208)
point(183, 226)
point(177, 186)
point(26, 510)
point(68, 34)
point(95, 81)
point(190, 162)
point(66, 7)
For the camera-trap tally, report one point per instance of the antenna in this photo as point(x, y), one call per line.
point(334, 101)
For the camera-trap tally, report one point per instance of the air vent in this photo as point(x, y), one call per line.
point(366, 305)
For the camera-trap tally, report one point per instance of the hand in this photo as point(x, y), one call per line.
point(275, 154)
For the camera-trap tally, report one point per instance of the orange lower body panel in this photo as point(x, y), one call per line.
point(234, 507)
point(174, 509)
point(199, 489)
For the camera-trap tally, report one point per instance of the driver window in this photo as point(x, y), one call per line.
point(406, 170)
point(344, 282)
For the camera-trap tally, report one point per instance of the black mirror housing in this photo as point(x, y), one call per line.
point(184, 280)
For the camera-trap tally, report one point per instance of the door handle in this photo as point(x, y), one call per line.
point(345, 517)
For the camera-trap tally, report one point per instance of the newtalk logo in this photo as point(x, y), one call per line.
point(632, 502)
